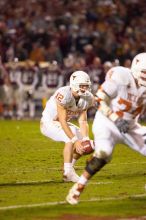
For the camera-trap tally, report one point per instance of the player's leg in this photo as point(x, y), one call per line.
point(69, 173)
point(94, 165)
point(54, 131)
point(21, 100)
point(2, 100)
point(104, 144)
point(9, 98)
point(70, 157)
point(75, 129)
point(31, 104)
point(136, 139)
point(75, 158)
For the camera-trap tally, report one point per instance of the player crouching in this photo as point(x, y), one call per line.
point(69, 102)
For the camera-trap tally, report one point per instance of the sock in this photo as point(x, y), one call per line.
point(73, 161)
point(67, 167)
point(83, 180)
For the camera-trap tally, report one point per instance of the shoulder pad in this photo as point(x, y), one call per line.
point(121, 75)
point(63, 95)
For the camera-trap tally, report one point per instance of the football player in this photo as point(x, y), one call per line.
point(27, 85)
point(52, 79)
point(13, 93)
point(66, 103)
point(121, 100)
point(3, 95)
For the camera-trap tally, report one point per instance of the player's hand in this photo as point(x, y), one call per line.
point(79, 147)
point(122, 125)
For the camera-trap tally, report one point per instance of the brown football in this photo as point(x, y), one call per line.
point(88, 146)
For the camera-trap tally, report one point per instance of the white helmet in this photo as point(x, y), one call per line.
point(77, 79)
point(138, 68)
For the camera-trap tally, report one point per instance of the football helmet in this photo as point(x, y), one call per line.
point(138, 68)
point(79, 79)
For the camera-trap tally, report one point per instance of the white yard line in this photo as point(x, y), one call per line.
point(99, 183)
point(46, 204)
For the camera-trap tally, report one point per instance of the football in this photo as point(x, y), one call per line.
point(88, 146)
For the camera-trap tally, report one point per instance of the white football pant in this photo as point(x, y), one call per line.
point(107, 135)
point(54, 131)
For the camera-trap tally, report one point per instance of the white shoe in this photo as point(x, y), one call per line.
point(74, 194)
point(71, 176)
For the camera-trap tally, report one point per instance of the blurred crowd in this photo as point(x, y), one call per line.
point(42, 42)
point(26, 85)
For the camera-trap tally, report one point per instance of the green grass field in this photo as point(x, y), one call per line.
point(31, 185)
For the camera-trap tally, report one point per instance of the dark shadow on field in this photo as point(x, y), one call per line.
point(32, 183)
point(51, 181)
point(123, 175)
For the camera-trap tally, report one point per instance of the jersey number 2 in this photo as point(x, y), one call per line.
point(59, 97)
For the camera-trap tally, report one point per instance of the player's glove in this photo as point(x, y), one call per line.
point(122, 125)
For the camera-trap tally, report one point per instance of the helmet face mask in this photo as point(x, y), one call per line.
point(138, 68)
point(80, 83)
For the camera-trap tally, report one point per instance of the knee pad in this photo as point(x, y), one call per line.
point(94, 165)
point(102, 154)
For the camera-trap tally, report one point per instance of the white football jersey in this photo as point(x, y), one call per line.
point(127, 100)
point(64, 97)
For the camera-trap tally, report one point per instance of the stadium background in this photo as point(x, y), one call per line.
point(43, 42)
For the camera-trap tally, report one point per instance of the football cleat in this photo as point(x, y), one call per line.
point(71, 176)
point(74, 194)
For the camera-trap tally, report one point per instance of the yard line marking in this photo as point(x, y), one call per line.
point(33, 205)
point(99, 183)
point(45, 204)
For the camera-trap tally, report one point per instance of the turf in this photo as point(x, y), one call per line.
point(31, 173)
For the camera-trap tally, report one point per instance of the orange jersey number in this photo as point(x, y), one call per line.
point(128, 108)
point(127, 104)
point(59, 97)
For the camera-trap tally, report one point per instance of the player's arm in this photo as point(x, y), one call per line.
point(62, 115)
point(104, 96)
point(104, 100)
point(83, 123)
